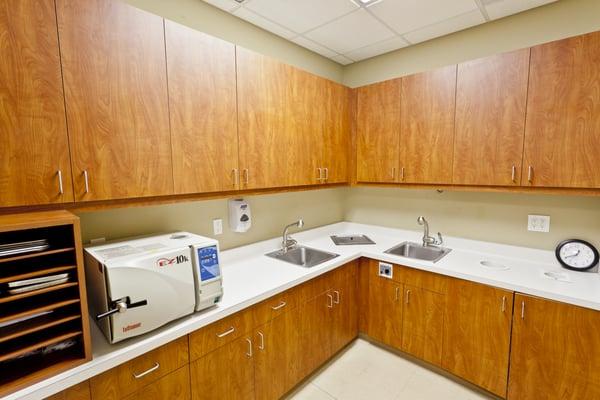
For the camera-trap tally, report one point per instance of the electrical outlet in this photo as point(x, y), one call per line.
point(218, 226)
point(538, 223)
point(386, 270)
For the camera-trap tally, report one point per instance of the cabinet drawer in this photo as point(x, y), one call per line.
point(421, 279)
point(274, 306)
point(176, 385)
point(80, 391)
point(219, 333)
point(133, 375)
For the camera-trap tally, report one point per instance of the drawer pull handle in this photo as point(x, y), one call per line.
point(262, 341)
point(337, 297)
point(330, 302)
point(141, 375)
point(231, 330)
point(249, 353)
point(503, 303)
point(60, 182)
point(397, 293)
point(513, 174)
point(407, 296)
point(279, 307)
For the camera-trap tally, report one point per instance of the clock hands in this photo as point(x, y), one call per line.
point(576, 253)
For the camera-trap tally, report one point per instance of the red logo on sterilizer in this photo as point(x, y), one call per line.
point(163, 262)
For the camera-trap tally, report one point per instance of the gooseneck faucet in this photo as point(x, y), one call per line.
point(287, 242)
point(429, 240)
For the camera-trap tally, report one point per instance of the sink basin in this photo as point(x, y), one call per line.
point(419, 252)
point(303, 256)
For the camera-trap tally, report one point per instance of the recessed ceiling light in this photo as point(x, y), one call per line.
point(365, 3)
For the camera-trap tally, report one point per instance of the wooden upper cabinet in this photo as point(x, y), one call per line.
point(562, 134)
point(113, 58)
point(335, 142)
point(378, 132)
point(427, 138)
point(491, 97)
point(555, 351)
point(477, 334)
point(202, 104)
point(34, 150)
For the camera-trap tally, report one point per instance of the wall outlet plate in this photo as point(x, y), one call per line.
point(386, 270)
point(538, 223)
point(218, 226)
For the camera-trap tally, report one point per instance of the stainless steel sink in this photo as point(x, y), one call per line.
point(303, 256)
point(419, 252)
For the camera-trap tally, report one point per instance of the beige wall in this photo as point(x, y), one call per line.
point(494, 217)
point(270, 214)
point(543, 24)
point(202, 16)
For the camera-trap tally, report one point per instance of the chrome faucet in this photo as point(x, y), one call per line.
point(429, 240)
point(287, 242)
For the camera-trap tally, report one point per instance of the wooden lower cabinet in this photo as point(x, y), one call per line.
point(345, 309)
point(81, 391)
point(225, 373)
point(477, 334)
point(384, 309)
point(176, 385)
point(555, 351)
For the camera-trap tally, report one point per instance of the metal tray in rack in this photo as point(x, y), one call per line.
point(349, 240)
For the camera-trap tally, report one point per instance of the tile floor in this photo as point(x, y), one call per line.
point(367, 372)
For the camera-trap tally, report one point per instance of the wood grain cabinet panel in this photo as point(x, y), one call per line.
point(335, 143)
point(81, 391)
point(378, 132)
point(477, 334)
point(113, 60)
point(345, 309)
point(427, 126)
point(33, 129)
point(491, 97)
point(203, 110)
point(562, 134)
point(176, 385)
point(422, 324)
point(225, 373)
point(555, 351)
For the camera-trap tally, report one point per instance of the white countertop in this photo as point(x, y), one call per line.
point(250, 277)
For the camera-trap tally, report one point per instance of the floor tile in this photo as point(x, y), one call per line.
point(309, 392)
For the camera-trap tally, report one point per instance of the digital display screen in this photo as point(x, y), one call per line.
point(209, 263)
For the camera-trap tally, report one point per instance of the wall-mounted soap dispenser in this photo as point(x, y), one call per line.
point(240, 217)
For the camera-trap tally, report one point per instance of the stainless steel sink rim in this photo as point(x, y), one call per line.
point(433, 253)
point(298, 256)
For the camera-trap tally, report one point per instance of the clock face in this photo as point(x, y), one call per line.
point(577, 254)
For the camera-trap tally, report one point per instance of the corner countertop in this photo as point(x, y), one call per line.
point(250, 277)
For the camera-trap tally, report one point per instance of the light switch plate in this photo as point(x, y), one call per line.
point(218, 226)
point(538, 223)
point(386, 270)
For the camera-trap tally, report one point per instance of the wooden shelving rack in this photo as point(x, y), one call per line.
point(28, 349)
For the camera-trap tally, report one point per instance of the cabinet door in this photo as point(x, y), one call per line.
point(477, 334)
point(225, 373)
point(345, 311)
point(378, 132)
point(336, 132)
point(427, 138)
point(384, 315)
point(202, 104)
point(562, 134)
point(423, 322)
point(555, 351)
point(176, 385)
point(277, 134)
point(316, 326)
point(35, 150)
point(113, 60)
point(491, 95)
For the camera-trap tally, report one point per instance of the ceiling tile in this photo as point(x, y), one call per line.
point(350, 32)
point(227, 5)
point(342, 60)
point(264, 23)
point(301, 15)
point(317, 48)
point(409, 15)
point(377, 48)
point(451, 25)
point(502, 8)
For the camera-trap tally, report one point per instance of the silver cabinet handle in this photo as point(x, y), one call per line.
point(262, 340)
point(86, 181)
point(513, 174)
point(227, 332)
point(503, 303)
point(246, 176)
point(330, 303)
point(279, 306)
point(402, 174)
point(407, 300)
point(320, 171)
point(60, 182)
point(236, 177)
point(141, 375)
point(326, 174)
point(249, 353)
point(530, 174)
point(522, 310)
point(393, 173)
point(397, 293)
point(337, 297)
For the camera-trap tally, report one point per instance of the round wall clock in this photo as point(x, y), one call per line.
point(577, 254)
